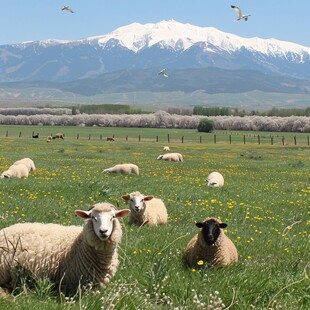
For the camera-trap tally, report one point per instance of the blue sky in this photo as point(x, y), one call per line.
point(31, 20)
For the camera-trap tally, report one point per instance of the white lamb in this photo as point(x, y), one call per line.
point(215, 179)
point(166, 148)
point(123, 169)
point(28, 162)
point(210, 245)
point(68, 255)
point(171, 157)
point(16, 171)
point(146, 210)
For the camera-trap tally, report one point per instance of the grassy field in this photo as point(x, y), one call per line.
point(265, 202)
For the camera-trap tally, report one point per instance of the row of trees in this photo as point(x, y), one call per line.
point(162, 119)
point(34, 111)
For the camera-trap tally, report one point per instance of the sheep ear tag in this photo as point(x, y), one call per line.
point(82, 213)
point(122, 213)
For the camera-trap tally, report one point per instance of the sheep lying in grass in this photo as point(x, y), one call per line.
point(210, 245)
point(123, 169)
point(28, 162)
point(16, 171)
point(171, 157)
point(146, 210)
point(67, 255)
point(215, 179)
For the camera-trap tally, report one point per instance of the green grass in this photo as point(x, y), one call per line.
point(265, 202)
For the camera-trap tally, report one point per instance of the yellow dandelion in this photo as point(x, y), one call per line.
point(200, 263)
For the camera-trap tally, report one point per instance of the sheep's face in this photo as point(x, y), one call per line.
point(5, 175)
point(102, 221)
point(210, 230)
point(137, 202)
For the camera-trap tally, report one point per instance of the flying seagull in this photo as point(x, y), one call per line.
point(67, 8)
point(240, 15)
point(163, 73)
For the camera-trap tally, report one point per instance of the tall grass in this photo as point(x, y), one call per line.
point(265, 202)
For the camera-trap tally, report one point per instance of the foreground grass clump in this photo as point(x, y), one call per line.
point(265, 202)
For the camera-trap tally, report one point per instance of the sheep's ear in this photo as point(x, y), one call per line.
point(147, 198)
point(83, 214)
point(122, 213)
point(223, 225)
point(199, 225)
point(126, 197)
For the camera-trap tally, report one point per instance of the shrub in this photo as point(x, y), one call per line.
point(205, 125)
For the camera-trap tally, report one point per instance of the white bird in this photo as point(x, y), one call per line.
point(240, 15)
point(67, 8)
point(163, 73)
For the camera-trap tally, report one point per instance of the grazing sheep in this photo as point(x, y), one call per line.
point(28, 162)
point(49, 138)
point(123, 169)
point(59, 136)
point(171, 157)
point(110, 139)
point(215, 179)
point(166, 148)
point(68, 255)
point(210, 245)
point(16, 171)
point(146, 210)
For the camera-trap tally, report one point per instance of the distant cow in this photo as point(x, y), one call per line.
point(110, 139)
point(59, 136)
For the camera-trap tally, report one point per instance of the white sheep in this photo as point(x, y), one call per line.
point(166, 148)
point(16, 171)
point(171, 157)
point(215, 179)
point(28, 162)
point(146, 210)
point(210, 245)
point(68, 255)
point(123, 169)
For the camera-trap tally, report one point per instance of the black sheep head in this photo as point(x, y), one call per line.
point(210, 230)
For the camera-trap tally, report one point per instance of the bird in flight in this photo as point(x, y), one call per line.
point(240, 15)
point(163, 73)
point(67, 8)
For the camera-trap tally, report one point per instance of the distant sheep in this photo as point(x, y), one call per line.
point(49, 138)
point(28, 162)
point(16, 171)
point(146, 210)
point(166, 148)
point(215, 179)
point(123, 169)
point(110, 139)
point(171, 157)
point(210, 245)
point(68, 255)
point(59, 136)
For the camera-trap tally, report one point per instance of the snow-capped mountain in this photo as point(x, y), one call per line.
point(168, 44)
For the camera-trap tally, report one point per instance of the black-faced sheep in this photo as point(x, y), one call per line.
point(123, 169)
point(210, 245)
point(146, 210)
point(215, 179)
point(171, 157)
point(68, 255)
point(16, 171)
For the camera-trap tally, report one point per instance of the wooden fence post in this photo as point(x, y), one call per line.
point(200, 140)
point(229, 139)
point(20, 134)
point(156, 138)
point(77, 136)
point(139, 138)
point(89, 136)
point(7, 133)
point(308, 140)
point(214, 139)
point(271, 140)
point(182, 139)
point(295, 140)
point(243, 139)
point(100, 137)
point(283, 140)
point(258, 139)
point(168, 138)
point(126, 138)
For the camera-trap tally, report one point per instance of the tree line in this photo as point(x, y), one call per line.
point(162, 119)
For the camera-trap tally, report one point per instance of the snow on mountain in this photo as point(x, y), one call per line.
point(179, 36)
